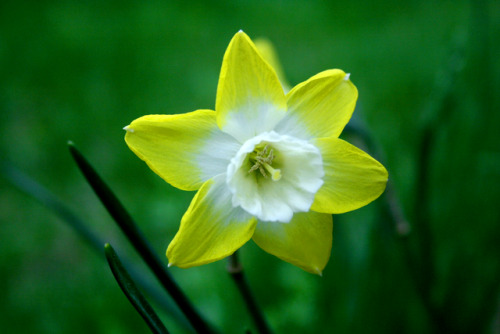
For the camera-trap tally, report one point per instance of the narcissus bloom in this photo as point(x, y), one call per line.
point(268, 166)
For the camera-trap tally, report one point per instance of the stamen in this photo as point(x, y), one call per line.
point(262, 161)
point(254, 167)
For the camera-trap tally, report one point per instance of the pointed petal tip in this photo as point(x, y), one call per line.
point(128, 129)
point(169, 264)
point(318, 272)
point(347, 76)
point(240, 34)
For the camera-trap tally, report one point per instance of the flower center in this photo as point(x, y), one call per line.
point(295, 163)
point(262, 160)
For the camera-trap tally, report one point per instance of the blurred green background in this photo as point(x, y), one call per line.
point(428, 79)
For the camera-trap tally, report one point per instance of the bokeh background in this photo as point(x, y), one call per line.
point(422, 258)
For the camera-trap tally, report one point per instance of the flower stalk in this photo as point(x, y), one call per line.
point(235, 269)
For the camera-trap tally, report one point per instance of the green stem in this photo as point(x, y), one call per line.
point(393, 205)
point(136, 238)
point(236, 271)
point(418, 258)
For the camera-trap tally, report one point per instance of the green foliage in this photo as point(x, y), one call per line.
point(133, 294)
point(428, 83)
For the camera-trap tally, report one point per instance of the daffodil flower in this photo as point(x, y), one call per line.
point(268, 166)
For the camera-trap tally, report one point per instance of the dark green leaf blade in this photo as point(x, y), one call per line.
point(44, 196)
point(129, 228)
point(133, 294)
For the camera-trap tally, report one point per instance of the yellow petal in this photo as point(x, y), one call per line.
point(211, 228)
point(185, 150)
point(352, 177)
point(320, 106)
point(267, 51)
point(250, 99)
point(306, 241)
